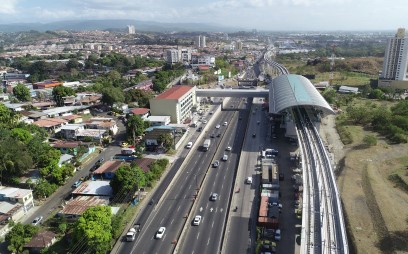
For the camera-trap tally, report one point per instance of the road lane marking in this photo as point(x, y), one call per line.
point(197, 237)
point(208, 242)
point(172, 221)
point(178, 207)
point(212, 225)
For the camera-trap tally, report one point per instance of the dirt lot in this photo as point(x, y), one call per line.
point(376, 208)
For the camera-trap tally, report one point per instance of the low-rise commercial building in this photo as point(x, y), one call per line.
point(177, 102)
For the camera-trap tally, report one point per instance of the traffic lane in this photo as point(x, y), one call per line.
point(215, 213)
point(149, 209)
point(205, 207)
point(178, 201)
point(206, 155)
point(238, 242)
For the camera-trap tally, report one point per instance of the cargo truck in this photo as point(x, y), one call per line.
point(206, 144)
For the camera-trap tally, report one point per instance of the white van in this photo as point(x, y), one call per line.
point(189, 145)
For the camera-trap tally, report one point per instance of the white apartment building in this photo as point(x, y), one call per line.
point(200, 59)
point(131, 29)
point(395, 66)
point(177, 102)
point(173, 56)
point(200, 41)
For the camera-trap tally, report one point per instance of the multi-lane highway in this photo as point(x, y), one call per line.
point(209, 234)
point(172, 209)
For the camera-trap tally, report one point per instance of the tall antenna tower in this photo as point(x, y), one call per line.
point(333, 56)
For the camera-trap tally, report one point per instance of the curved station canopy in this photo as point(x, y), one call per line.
point(292, 90)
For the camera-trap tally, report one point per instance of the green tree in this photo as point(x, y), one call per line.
point(140, 96)
point(135, 126)
point(8, 118)
point(124, 180)
point(377, 94)
point(21, 134)
point(166, 140)
point(15, 159)
point(22, 92)
point(44, 189)
point(95, 229)
point(18, 236)
point(59, 92)
point(111, 95)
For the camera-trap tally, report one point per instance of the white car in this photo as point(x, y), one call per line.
point(225, 157)
point(160, 232)
point(225, 124)
point(217, 126)
point(204, 121)
point(37, 220)
point(228, 148)
point(189, 145)
point(197, 220)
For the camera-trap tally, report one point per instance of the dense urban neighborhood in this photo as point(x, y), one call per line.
point(122, 140)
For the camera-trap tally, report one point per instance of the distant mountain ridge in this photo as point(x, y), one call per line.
point(85, 25)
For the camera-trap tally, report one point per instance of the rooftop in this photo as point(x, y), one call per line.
point(174, 93)
point(109, 166)
point(94, 188)
point(79, 204)
point(140, 111)
point(41, 240)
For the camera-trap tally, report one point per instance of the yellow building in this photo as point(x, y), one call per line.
point(177, 102)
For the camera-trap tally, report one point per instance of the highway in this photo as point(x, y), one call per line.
point(172, 208)
point(209, 234)
point(240, 234)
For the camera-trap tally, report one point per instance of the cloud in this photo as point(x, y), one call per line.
point(8, 6)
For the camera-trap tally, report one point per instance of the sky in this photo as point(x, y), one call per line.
point(271, 15)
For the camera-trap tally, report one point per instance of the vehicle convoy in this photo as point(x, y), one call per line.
point(131, 234)
point(206, 144)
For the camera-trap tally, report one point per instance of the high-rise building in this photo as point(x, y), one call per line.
point(200, 41)
point(173, 56)
point(239, 45)
point(395, 66)
point(131, 29)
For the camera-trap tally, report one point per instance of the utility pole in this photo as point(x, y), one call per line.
point(333, 56)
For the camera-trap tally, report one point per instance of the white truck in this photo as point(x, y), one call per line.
point(206, 144)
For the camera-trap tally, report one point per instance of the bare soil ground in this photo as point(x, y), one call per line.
point(375, 207)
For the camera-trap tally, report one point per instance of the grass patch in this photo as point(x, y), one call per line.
point(345, 134)
point(398, 182)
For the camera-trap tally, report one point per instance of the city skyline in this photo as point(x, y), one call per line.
point(258, 14)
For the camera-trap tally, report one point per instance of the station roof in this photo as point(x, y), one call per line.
point(295, 90)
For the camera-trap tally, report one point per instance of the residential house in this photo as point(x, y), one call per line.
point(40, 241)
point(47, 84)
point(142, 112)
point(70, 131)
point(101, 123)
point(65, 158)
point(15, 202)
point(153, 133)
point(52, 125)
point(107, 170)
point(73, 118)
point(76, 207)
point(93, 188)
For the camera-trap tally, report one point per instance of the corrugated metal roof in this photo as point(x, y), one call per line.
point(295, 90)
